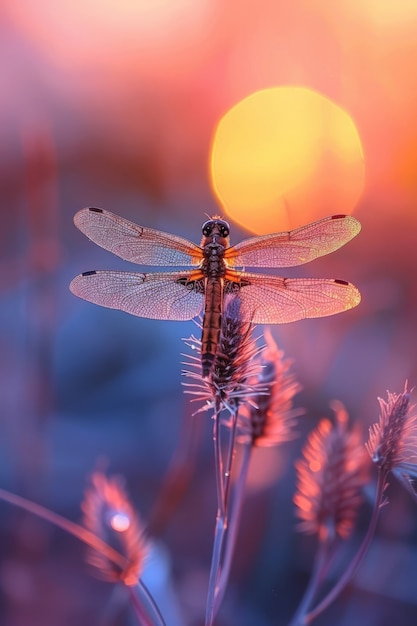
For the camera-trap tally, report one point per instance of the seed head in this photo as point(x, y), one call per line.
point(109, 515)
point(331, 476)
point(227, 385)
point(392, 443)
point(269, 419)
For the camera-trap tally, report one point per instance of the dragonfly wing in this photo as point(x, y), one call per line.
point(136, 243)
point(294, 247)
point(161, 296)
point(276, 300)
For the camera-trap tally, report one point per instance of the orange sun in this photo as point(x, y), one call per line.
point(286, 156)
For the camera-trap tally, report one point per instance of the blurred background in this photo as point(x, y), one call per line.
point(132, 106)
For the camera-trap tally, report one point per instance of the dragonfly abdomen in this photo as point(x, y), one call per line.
point(215, 242)
point(211, 323)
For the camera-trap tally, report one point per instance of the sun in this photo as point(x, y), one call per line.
point(286, 156)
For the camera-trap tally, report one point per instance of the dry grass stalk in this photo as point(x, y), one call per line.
point(270, 418)
point(331, 477)
point(109, 514)
point(392, 442)
point(227, 385)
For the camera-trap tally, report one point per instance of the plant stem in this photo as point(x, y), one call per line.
point(220, 519)
point(218, 461)
point(354, 564)
point(223, 474)
point(144, 606)
point(235, 510)
point(143, 603)
point(70, 527)
point(219, 534)
point(229, 459)
point(320, 563)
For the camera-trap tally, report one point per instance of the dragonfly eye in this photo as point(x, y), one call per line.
point(224, 231)
point(207, 228)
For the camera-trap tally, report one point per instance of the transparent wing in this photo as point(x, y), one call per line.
point(158, 296)
point(295, 247)
point(276, 300)
point(136, 243)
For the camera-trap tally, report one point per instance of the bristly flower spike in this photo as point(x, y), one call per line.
point(265, 419)
point(392, 443)
point(269, 419)
point(331, 477)
point(109, 514)
point(392, 446)
point(227, 385)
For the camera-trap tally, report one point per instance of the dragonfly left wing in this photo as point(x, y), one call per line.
point(159, 296)
point(276, 300)
point(135, 243)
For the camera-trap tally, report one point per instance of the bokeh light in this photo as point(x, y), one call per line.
point(120, 522)
point(286, 156)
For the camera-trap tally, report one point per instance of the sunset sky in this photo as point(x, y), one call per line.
point(273, 114)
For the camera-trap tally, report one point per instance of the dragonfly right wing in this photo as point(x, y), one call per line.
point(135, 243)
point(160, 296)
point(277, 300)
point(294, 247)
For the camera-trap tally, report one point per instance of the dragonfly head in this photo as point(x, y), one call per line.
point(216, 228)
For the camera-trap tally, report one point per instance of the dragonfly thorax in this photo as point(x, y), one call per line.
point(214, 243)
point(213, 263)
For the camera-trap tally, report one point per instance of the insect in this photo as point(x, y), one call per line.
point(216, 273)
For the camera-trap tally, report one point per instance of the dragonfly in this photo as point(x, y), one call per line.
point(214, 273)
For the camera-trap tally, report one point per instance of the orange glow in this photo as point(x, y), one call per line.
point(149, 36)
point(286, 156)
point(385, 11)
